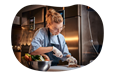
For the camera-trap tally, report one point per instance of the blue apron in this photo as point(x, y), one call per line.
point(54, 59)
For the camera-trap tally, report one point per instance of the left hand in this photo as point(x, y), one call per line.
point(71, 59)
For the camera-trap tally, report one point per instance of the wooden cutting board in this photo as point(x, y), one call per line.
point(74, 66)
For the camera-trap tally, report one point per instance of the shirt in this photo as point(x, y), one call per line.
point(40, 39)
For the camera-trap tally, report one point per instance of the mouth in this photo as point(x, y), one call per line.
point(57, 33)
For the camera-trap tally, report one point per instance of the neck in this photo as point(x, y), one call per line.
point(50, 32)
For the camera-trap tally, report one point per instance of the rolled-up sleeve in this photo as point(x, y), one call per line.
point(37, 41)
point(65, 51)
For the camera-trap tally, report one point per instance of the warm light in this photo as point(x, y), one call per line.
point(71, 39)
point(30, 38)
point(18, 47)
point(23, 28)
point(29, 43)
point(30, 31)
point(73, 48)
point(24, 43)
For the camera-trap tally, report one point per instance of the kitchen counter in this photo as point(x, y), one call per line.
point(65, 68)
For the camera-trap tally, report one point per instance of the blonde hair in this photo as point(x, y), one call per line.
point(53, 16)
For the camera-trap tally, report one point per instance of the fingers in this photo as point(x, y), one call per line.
point(61, 56)
point(58, 55)
point(71, 59)
point(75, 61)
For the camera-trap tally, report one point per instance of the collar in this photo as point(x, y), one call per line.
point(50, 32)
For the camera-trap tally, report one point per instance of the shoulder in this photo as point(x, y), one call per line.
point(41, 31)
point(61, 37)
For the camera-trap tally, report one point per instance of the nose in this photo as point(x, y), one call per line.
point(58, 30)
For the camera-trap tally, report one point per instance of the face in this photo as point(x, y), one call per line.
point(56, 28)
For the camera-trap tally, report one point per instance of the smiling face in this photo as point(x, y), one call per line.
point(56, 28)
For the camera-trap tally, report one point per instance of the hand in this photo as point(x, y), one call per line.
point(71, 60)
point(57, 52)
point(46, 57)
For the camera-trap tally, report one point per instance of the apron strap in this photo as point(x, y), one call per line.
point(58, 40)
point(49, 35)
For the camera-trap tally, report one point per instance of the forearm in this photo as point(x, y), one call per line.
point(42, 50)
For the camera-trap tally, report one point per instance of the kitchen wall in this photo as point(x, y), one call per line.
point(21, 34)
point(28, 8)
point(16, 36)
point(37, 13)
point(88, 52)
point(27, 34)
point(16, 20)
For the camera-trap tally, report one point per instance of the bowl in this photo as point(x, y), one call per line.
point(37, 65)
point(40, 65)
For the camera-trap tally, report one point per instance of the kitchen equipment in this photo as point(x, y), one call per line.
point(41, 66)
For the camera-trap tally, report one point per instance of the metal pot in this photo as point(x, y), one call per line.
point(41, 66)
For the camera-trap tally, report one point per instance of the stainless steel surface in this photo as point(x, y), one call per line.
point(37, 65)
point(41, 66)
point(71, 36)
point(79, 35)
point(96, 26)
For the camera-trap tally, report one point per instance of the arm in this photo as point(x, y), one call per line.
point(68, 56)
point(41, 50)
point(37, 44)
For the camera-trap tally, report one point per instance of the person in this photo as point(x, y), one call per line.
point(48, 40)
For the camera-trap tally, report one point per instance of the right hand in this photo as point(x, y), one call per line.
point(57, 52)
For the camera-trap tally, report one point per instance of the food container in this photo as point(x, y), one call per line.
point(37, 65)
